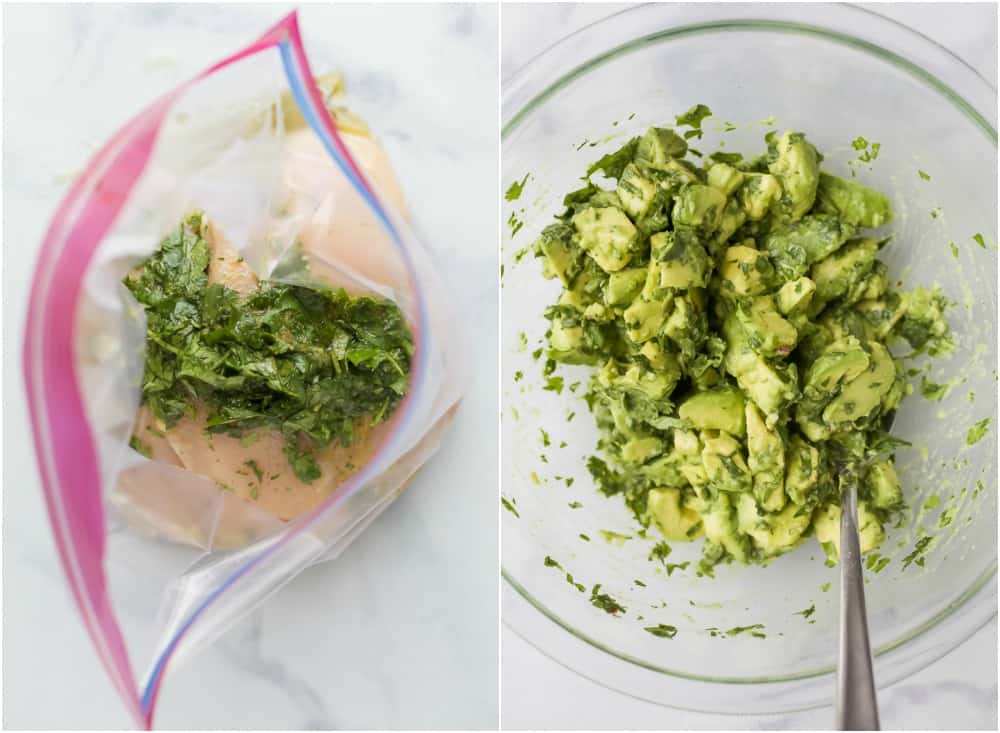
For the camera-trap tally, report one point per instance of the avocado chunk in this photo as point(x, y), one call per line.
point(766, 460)
point(794, 296)
point(636, 191)
point(797, 167)
point(826, 523)
point(767, 332)
point(659, 146)
point(883, 485)
point(853, 203)
point(718, 409)
point(759, 193)
point(677, 261)
point(720, 524)
point(562, 258)
point(644, 318)
point(624, 286)
point(640, 450)
point(772, 534)
point(745, 271)
point(794, 246)
point(607, 235)
point(675, 520)
point(699, 207)
point(803, 470)
point(864, 393)
point(837, 274)
point(725, 178)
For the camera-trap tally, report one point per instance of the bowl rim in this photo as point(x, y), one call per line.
point(519, 99)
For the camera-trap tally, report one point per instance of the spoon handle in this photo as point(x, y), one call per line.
point(857, 706)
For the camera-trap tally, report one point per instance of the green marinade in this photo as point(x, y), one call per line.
point(738, 320)
point(310, 363)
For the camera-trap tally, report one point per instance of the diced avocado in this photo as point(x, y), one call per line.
point(675, 520)
point(863, 394)
point(766, 460)
point(659, 359)
point(923, 325)
point(837, 274)
point(772, 534)
point(826, 523)
point(677, 261)
point(725, 178)
point(797, 167)
point(624, 285)
point(586, 287)
point(758, 194)
point(695, 474)
point(562, 258)
point(803, 470)
point(767, 332)
point(682, 325)
point(883, 485)
point(720, 525)
point(747, 270)
point(769, 388)
point(640, 450)
point(794, 246)
point(635, 191)
point(841, 361)
point(795, 295)
point(718, 409)
point(644, 318)
point(607, 235)
point(872, 286)
point(686, 442)
point(852, 202)
point(659, 146)
point(732, 219)
point(654, 385)
point(699, 207)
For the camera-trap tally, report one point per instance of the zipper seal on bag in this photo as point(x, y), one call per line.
point(67, 458)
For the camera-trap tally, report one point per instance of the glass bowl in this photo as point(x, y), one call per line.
point(836, 73)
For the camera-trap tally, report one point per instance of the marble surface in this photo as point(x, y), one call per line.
point(401, 631)
point(958, 692)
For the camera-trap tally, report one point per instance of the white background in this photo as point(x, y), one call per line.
point(401, 631)
point(959, 691)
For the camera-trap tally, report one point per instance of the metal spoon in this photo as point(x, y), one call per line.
point(857, 705)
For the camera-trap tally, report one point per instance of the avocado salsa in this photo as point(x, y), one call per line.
point(739, 324)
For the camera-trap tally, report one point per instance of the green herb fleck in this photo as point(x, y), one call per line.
point(924, 175)
point(807, 612)
point(550, 563)
point(605, 602)
point(614, 538)
point(575, 505)
point(664, 631)
point(977, 431)
point(584, 537)
point(514, 192)
point(660, 552)
point(954, 249)
point(979, 240)
point(509, 506)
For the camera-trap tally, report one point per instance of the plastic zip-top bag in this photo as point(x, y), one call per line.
point(221, 451)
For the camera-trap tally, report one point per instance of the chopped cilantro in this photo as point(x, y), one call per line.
point(664, 631)
point(509, 506)
point(924, 175)
point(605, 602)
point(977, 431)
point(310, 363)
point(514, 192)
